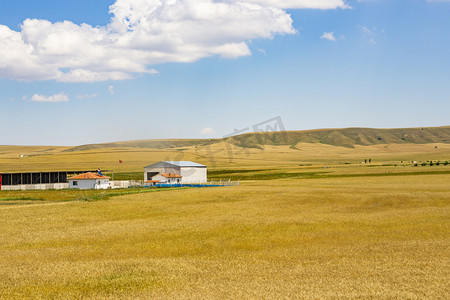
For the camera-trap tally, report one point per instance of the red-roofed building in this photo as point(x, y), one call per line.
point(170, 175)
point(187, 172)
point(165, 178)
point(89, 181)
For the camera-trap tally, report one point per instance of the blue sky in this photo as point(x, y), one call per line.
point(200, 69)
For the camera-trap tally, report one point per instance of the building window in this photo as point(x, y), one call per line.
point(75, 183)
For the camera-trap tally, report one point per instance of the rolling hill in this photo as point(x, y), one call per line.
point(346, 137)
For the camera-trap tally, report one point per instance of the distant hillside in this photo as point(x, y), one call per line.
point(153, 144)
point(347, 137)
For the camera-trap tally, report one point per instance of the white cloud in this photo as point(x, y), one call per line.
point(262, 51)
point(366, 30)
point(141, 34)
point(111, 90)
point(328, 36)
point(296, 4)
point(61, 97)
point(207, 131)
point(371, 34)
point(87, 96)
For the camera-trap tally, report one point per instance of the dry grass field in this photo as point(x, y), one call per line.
point(331, 228)
point(221, 155)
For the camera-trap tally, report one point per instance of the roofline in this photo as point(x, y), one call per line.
point(36, 172)
point(83, 176)
point(199, 165)
point(169, 175)
point(106, 177)
point(183, 166)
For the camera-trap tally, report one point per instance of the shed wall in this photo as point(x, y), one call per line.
point(193, 175)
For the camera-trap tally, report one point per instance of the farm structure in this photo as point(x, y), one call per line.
point(36, 180)
point(89, 181)
point(174, 172)
point(162, 178)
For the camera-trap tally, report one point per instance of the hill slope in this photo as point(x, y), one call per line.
point(347, 137)
point(152, 144)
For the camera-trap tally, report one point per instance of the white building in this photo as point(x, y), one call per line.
point(185, 171)
point(89, 181)
point(169, 178)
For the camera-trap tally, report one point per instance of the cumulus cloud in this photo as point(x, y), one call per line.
point(328, 36)
point(208, 131)
point(141, 34)
point(61, 97)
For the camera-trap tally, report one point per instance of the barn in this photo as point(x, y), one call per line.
point(89, 181)
point(36, 180)
point(184, 172)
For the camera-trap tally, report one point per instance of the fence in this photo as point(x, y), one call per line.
point(120, 184)
point(223, 183)
point(29, 187)
point(126, 184)
point(204, 184)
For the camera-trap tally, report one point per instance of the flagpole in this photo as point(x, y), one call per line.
point(118, 168)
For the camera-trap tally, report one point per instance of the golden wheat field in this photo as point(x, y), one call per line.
point(331, 229)
point(221, 155)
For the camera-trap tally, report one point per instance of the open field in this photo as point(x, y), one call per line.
point(356, 237)
point(218, 156)
point(308, 221)
point(251, 150)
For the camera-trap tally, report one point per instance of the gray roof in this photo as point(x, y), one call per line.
point(176, 163)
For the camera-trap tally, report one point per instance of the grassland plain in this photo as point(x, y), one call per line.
point(308, 221)
point(343, 237)
point(218, 155)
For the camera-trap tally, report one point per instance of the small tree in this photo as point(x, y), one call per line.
point(431, 163)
